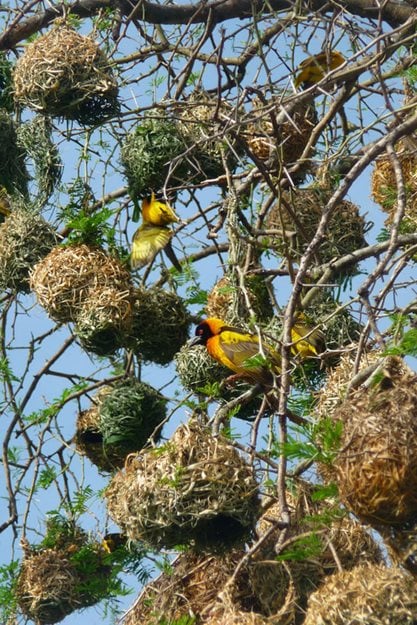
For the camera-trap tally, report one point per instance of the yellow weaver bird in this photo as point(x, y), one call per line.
point(308, 342)
point(314, 68)
point(153, 235)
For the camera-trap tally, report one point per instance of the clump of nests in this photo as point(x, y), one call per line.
point(196, 490)
point(203, 121)
point(153, 152)
point(320, 539)
point(66, 572)
point(277, 133)
point(160, 325)
point(226, 300)
point(199, 373)
point(25, 239)
point(13, 174)
point(190, 587)
point(384, 183)
point(377, 462)
point(368, 593)
point(65, 74)
point(65, 279)
point(294, 222)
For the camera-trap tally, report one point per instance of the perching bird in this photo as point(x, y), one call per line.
point(240, 351)
point(314, 68)
point(153, 235)
point(113, 541)
point(310, 346)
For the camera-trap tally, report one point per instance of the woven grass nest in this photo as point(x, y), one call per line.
point(377, 462)
point(371, 594)
point(199, 373)
point(226, 300)
point(25, 239)
point(196, 489)
point(13, 174)
point(65, 74)
point(56, 580)
point(294, 227)
point(105, 319)
point(189, 587)
point(148, 152)
point(319, 540)
point(274, 141)
point(160, 325)
point(64, 280)
point(203, 121)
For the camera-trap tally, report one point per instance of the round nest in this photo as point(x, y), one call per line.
point(189, 587)
point(371, 594)
point(105, 320)
point(13, 174)
point(65, 74)
point(147, 154)
point(226, 300)
point(319, 540)
point(203, 121)
point(129, 414)
point(274, 141)
point(63, 281)
point(294, 227)
point(222, 614)
point(25, 239)
point(377, 462)
point(197, 489)
point(160, 325)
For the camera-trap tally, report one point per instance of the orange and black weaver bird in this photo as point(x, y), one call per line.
point(240, 351)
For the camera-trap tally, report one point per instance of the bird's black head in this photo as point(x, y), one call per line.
point(202, 334)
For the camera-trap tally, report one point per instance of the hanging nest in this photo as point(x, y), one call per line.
point(196, 490)
point(203, 121)
point(367, 594)
point(105, 320)
point(64, 280)
point(319, 539)
point(13, 174)
point(277, 137)
point(384, 183)
point(226, 300)
point(129, 415)
point(199, 373)
point(35, 138)
point(377, 463)
point(147, 154)
point(66, 572)
point(193, 583)
point(25, 239)
point(294, 221)
point(160, 325)
point(65, 74)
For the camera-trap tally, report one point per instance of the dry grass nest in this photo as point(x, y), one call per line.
point(148, 153)
point(65, 74)
point(319, 540)
point(227, 301)
point(129, 414)
point(294, 222)
point(25, 239)
point(377, 462)
point(13, 174)
point(64, 280)
point(105, 319)
point(371, 594)
point(160, 325)
point(274, 137)
point(189, 587)
point(196, 489)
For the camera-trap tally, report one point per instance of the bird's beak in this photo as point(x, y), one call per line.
point(196, 340)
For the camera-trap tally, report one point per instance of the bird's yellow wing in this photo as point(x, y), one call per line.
point(314, 68)
point(157, 213)
point(147, 242)
point(311, 345)
point(237, 348)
